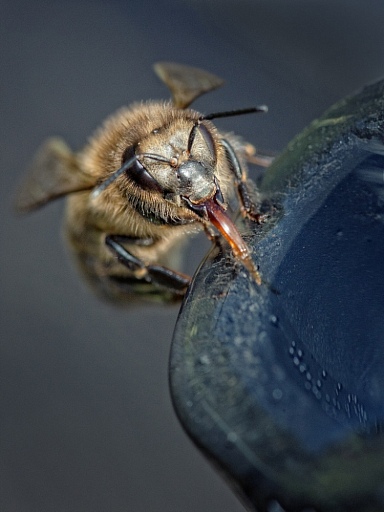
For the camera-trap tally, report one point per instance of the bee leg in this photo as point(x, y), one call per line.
point(173, 281)
point(248, 207)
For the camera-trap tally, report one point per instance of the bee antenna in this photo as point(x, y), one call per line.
point(216, 115)
point(104, 184)
point(230, 113)
point(154, 156)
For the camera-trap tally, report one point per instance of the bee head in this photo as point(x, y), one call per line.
point(178, 166)
point(175, 164)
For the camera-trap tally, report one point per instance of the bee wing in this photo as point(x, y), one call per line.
point(54, 173)
point(185, 82)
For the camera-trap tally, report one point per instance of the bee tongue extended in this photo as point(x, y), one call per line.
point(227, 228)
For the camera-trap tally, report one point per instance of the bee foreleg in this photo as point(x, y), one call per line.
point(248, 206)
point(173, 281)
point(164, 277)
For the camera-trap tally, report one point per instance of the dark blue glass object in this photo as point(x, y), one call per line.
point(282, 385)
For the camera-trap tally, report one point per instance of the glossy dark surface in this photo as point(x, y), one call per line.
point(282, 385)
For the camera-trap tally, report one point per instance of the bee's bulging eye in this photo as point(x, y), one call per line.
point(207, 136)
point(137, 173)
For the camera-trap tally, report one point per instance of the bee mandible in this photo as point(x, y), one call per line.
point(151, 175)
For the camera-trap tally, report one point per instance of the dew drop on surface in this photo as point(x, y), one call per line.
point(274, 320)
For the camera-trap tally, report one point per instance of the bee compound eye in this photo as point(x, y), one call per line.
point(137, 173)
point(207, 136)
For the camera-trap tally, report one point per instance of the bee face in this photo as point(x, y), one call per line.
point(165, 170)
point(177, 162)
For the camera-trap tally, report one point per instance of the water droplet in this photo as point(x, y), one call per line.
point(302, 368)
point(274, 320)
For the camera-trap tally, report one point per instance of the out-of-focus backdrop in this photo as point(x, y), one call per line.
point(86, 418)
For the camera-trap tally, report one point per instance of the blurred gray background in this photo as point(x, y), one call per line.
point(86, 418)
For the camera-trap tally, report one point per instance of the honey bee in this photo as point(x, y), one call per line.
point(151, 175)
